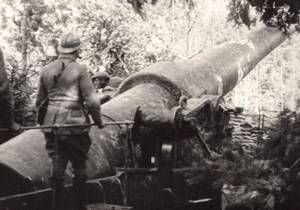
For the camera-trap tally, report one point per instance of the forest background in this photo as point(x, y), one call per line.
point(122, 40)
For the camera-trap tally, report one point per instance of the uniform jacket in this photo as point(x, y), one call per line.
point(6, 99)
point(73, 89)
point(105, 94)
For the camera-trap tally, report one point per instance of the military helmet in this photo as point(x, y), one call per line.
point(69, 43)
point(101, 74)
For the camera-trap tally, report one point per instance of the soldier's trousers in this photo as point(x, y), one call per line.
point(73, 148)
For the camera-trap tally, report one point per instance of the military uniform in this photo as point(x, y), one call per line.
point(104, 91)
point(70, 91)
point(105, 94)
point(6, 99)
point(115, 82)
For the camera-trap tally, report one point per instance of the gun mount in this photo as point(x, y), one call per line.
point(24, 164)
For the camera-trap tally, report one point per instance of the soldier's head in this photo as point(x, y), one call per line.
point(101, 79)
point(69, 44)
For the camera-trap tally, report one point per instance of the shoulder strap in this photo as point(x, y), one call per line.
point(57, 76)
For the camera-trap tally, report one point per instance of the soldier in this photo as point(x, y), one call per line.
point(115, 82)
point(100, 80)
point(68, 87)
point(6, 99)
point(103, 89)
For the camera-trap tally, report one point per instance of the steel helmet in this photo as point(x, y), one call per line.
point(101, 74)
point(69, 43)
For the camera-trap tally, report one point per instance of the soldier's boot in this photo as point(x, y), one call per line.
point(80, 188)
point(58, 192)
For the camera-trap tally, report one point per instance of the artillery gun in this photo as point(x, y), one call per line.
point(117, 178)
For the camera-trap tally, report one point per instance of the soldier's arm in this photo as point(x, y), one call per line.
point(90, 97)
point(42, 93)
point(8, 105)
point(6, 97)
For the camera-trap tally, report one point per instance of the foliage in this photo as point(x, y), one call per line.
point(120, 49)
point(138, 5)
point(273, 85)
point(239, 13)
point(280, 133)
point(267, 171)
point(281, 13)
point(282, 150)
point(119, 41)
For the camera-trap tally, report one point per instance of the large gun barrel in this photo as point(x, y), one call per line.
point(214, 72)
point(23, 159)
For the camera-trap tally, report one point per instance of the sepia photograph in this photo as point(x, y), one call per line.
point(149, 105)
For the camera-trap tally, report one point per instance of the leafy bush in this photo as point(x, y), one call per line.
point(268, 172)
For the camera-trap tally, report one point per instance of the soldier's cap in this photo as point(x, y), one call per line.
point(101, 74)
point(69, 43)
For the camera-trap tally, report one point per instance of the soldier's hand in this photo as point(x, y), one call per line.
point(15, 127)
point(109, 88)
point(101, 124)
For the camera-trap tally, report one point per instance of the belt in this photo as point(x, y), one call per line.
point(76, 105)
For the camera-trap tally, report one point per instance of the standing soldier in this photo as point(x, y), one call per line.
point(6, 99)
point(65, 86)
